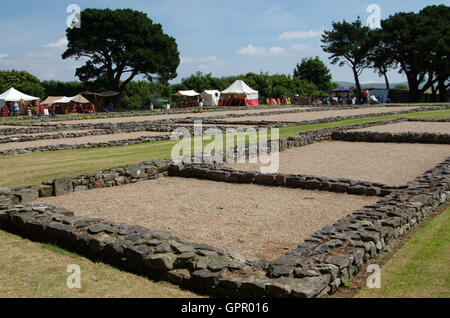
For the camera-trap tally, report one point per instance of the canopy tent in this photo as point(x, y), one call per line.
point(240, 93)
point(13, 95)
point(186, 102)
point(186, 93)
point(95, 98)
point(79, 99)
point(51, 100)
point(211, 97)
point(342, 90)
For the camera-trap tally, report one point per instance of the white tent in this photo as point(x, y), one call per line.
point(242, 93)
point(13, 95)
point(76, 99)
point(187, 93)
point(211, 97)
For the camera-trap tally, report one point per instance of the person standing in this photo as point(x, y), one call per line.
point(200, 104)
point(4, 111)
point(29, 111)
point(366, 97)
point(16, 109)
point(313, 99)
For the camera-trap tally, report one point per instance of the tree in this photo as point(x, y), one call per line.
point(314, 71)
point(419, 43)
point(348, 43)
point(379, 56)
point(119, 45)
point(436, 29)
point(22, 81)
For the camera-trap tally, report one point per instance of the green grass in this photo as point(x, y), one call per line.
point(420, 267)
point(37, 167)
point(29, 269)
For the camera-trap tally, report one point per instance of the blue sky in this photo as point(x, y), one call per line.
point(219, 37)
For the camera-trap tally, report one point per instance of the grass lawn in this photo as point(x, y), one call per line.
point(33, 270)
point(420, 267)
point(37, 167)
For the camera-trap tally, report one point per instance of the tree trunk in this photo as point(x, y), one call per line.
point(358, 85)
point(386, 80)
point(415, 94)
point(442, 87)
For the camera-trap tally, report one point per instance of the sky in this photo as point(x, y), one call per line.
point(224, 38)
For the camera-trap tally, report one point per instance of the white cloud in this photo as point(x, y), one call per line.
point(4, 55)
point(258, 51)
point(300, 35)
point(205, 59)
point(60, 43)
point(300, 47)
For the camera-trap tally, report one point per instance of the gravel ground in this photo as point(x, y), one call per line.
point(389, 163)
point(79, 140)
point(297, 117)
point(256, 221)
point(422, 127)
point(175, 116)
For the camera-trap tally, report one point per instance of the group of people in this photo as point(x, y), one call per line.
point(346, 99)
point(85, 110)
point(10, 110)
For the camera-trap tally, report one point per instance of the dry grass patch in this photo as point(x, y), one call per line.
point(33, 270)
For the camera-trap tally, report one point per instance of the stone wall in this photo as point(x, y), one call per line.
point(316, 268)
point(105, 178)
point(223, 174)
point(407, 137)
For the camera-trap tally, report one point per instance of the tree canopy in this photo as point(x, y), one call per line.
point(119, 45)
point(22, 81)
point(419, 43)
point(315, 71)
point(348, 43)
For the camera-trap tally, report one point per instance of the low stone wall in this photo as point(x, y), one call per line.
point(341, 185)
point(316, 268)
point(22, 138)
point(113, 143)
point(105, 178)
point(409, 137)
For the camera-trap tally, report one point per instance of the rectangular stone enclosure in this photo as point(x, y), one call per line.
point(392, 164)
point(255, 221)
point(411, 126)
